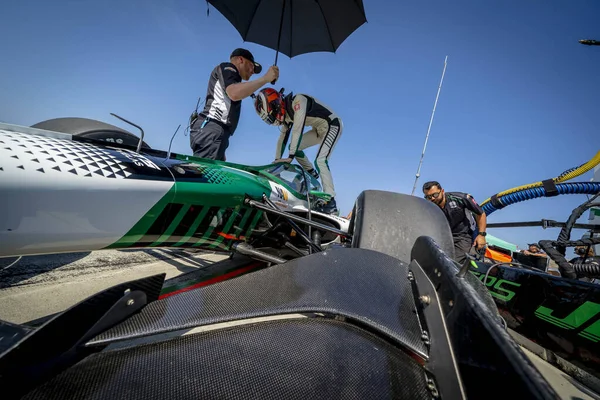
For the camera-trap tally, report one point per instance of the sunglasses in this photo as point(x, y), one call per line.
point(433, 195)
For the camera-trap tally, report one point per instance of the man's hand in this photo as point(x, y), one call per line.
point(479, 242)
point(283, 160)
point(272, 74)
point(241, 90)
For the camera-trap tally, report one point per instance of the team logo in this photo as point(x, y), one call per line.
point(472, 199)
point(138, 159)
point(113, 140)
point(281, 193)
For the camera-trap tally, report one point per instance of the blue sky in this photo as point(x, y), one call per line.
point(519, 103)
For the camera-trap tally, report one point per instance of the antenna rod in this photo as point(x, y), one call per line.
point(429, 128)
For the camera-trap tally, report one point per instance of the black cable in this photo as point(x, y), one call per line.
point(565, 232)
point(565, 267)
point(309, 207)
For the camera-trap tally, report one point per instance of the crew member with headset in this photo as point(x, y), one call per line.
point(585, 255)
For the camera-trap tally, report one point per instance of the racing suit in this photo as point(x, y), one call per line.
point(326, 129)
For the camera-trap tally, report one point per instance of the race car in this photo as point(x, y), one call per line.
point(95, 188)
point(388, 298)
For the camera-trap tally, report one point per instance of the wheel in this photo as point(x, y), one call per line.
point(391, 222)
point(92, 129)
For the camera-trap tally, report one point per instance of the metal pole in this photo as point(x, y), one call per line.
point(429, 128)
point(280, 26)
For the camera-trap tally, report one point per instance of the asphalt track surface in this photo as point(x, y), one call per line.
point(36, 286)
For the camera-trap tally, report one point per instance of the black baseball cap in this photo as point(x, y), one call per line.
point(246, 54)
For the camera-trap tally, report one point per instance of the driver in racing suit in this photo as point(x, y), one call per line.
point(292, 113)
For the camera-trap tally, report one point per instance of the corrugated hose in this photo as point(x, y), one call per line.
point(563, 177)
point(537, 192)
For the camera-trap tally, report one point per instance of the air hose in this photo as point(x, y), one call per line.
point(565, 232)
point(556, 249)
point(536, 192)
point(549, 183)
point(588, 270)
point(566, 269)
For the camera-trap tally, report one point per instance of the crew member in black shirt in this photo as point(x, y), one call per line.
point(211, 129)
point(461, 211)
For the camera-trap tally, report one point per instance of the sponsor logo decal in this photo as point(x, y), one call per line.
point(113, 140)
point(580, 319)
point(499, 288)
point(138, 159)
point(281, 193)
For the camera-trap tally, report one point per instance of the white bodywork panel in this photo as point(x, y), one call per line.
point(47, 200)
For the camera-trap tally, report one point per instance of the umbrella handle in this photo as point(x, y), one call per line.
point(279, 37)
point(276, 54)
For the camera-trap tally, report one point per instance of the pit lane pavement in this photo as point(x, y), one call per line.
point(33, 287)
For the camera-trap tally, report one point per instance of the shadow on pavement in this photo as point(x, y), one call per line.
point(171, 257)
point(44, 268)
point(14, 270)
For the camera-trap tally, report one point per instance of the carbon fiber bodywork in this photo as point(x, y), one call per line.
point(339, 324)
point(292, 288)
point(272, 361)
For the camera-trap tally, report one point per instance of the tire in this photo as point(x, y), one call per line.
point(390, 223)
point(91, 129)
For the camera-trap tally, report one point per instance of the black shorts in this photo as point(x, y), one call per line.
point(209, 139)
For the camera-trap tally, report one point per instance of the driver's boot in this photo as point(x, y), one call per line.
point(314, 173)
point(330, 207)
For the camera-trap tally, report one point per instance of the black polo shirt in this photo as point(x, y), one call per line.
point(219, 107)
point(458, 209)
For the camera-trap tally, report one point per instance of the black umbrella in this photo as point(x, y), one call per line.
point(294, 27)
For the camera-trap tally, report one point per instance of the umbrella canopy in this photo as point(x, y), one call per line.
point(294, 27)
point(590, 42)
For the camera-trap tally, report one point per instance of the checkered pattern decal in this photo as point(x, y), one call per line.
point(213, 175)
point(44, 155)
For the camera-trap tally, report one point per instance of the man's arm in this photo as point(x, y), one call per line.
point(240, 90)
point(538, 254)
point(480, 218)
point(480, 241)
point(299, 104)
point(281, 142)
